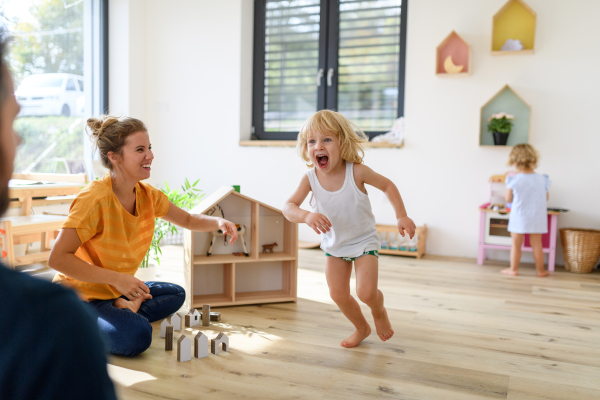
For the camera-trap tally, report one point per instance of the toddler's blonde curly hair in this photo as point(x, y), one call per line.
point(351, 137)
point(523, 156)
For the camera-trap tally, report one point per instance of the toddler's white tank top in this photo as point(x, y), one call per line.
point(348, 209)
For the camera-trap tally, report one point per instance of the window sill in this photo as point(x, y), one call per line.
point(292, 143)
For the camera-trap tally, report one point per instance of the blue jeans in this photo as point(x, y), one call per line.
point(130, 333)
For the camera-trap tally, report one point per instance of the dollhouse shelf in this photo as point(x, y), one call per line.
point(508, 101)
point(459, 52)
point(388, 230)
point(516, 20)
point(223, 279)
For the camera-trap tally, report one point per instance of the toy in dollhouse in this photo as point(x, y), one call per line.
point(493, 225)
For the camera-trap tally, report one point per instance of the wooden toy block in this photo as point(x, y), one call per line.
point(206, 315)
point(200, 345)
point(214, 316)
point(169, 338)
point(195, 318)
point(188, 320)
point(163, 327)
point(220, 339)
point(184, 349)
point(176, 322)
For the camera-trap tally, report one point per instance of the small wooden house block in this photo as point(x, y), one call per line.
point(169, 338)
point(206, 315)
point(176, 322)
point(184, 349)
point(195, 318)
point(224, 279)
point(200, 345)
point(220, 339)
point(163, 328)
point(188, 320)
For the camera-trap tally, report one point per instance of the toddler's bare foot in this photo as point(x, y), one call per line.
point(383, 326)
point(132, 305)
point(357, 337)
point(509, 271)
point(542, 274)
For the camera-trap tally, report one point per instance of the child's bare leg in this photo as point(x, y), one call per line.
point(338, 274)
point(367, 270)
point(515, 254)
point(535, 239)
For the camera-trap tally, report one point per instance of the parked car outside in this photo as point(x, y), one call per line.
point(51, 94)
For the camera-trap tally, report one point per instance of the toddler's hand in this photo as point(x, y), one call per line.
point(318, 222)
point(406, 224)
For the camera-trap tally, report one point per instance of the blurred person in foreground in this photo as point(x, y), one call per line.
point(50, 346)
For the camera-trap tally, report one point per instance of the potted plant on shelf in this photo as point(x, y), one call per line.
point(500, 125)
point(186, 199)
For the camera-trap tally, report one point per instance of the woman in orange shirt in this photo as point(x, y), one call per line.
point(109, 231)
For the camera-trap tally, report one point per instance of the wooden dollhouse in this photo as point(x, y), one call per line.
point(227, 276)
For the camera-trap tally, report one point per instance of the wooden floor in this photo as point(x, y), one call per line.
point(462, 332)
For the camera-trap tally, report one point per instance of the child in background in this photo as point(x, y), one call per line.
point(528, 193)
point(342, 214)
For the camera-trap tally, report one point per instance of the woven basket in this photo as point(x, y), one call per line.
point(581, 248)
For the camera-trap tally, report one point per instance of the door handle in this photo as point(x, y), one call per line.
point(330, 73)
point(320, 76)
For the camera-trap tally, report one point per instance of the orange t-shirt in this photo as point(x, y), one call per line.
point(110, 236)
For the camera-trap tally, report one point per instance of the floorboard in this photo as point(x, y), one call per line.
point(462, 332)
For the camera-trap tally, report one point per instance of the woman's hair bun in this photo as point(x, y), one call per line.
point(97, 125)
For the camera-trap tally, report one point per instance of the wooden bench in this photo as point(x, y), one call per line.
point(27, 229)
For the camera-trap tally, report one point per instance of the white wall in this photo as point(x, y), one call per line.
point(194, 92)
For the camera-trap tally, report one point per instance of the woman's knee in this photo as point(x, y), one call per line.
point(133, 339)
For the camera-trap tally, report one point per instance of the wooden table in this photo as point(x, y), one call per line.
point(550, 248)
point(26, 194)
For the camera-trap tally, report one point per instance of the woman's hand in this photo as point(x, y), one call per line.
point(228, 228)
point(406, 224)
point(131, 287)
point(318, 222)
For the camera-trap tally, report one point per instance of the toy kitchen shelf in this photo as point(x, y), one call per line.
point(493, 225)
point(224, 279)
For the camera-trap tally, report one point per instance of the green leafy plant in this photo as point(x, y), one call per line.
point(186, 198)
point(501, 122)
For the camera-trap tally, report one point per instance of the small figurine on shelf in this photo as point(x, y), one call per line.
point(268, 248)
point(241, 229)
point(512, 45)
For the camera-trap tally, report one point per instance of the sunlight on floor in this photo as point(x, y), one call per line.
point(248, 338)
point(127, 377)
point(313, 286)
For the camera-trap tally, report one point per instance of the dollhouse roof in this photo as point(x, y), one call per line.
point(221, 193)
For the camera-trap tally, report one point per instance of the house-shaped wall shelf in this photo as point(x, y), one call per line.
point(223, 279)
point(453, 56)
point(516, 20)
point(506, 100)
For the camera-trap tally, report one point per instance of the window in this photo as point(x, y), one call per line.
point(71, 85)
point(54, 43)
point(344, 55)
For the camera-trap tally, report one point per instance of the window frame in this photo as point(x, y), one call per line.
point(328, 58)
point(96, 60)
